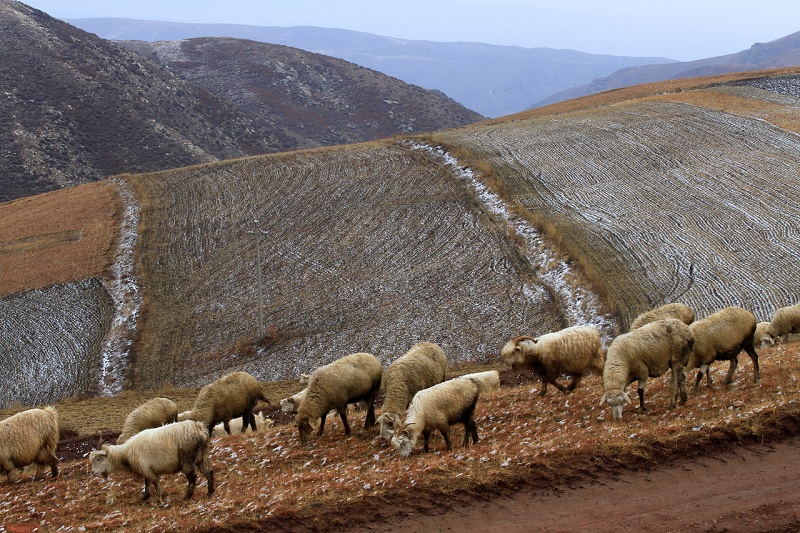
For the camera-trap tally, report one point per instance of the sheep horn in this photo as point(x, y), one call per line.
point(517, 340)
point(100, 441)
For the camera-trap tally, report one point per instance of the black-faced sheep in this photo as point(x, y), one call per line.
point(720, 337)
point(351, 379)
point(151, 414)
point(435, 409)
point(784, 322)
point(29, 437)
point(679, 311)
point(488, 381)
point(422, 366)
point(573, 351)
point(646, 352)
point(233, 395)
point(179, 447)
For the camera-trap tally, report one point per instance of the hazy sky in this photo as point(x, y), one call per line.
point(678, 29)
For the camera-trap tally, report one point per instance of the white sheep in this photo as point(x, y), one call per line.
point(434, 409)
point(646, 352)
point(574, 351)
point(720, 337)
point(760, 338)
point(233, 395)
point(422, 366)
point(179, 447)
point(151, 414)
point(236, 425)
point(680, 311)
point(29, 437)
point(351, 379)
point(292, 403)
point(784, 322)
point(488, 381)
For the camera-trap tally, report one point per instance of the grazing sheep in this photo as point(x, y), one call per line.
point(233, 395)
point(151, 414)
point(680, 311)
point(646, 352)
point(292, 403)
point(304, 379)
point(422, 366)
point(760, 337)
point(29, 437)
point(488, 381)
point(435, 408)
point(352, 378)
point(720, 337)
point(785, 321)
point(236, 425)
point(178, 447)
point(573, 351)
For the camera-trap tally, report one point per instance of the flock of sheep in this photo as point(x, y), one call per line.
point(157, 440)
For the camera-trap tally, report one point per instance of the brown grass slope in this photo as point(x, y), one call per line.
point(686, 195)
point(372, 248)
point(660, 199)
point(315, 99)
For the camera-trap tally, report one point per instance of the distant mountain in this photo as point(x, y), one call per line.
point(492, 80)
point(783, 52)
point(76, 108)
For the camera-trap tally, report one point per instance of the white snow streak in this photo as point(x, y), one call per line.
point(124, 290)
point(580, 305)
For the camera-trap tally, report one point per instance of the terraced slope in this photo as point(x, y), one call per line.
point(369, 248)
point(665, 201)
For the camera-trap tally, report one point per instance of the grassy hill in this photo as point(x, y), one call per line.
point(585, 212)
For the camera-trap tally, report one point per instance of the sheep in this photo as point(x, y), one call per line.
point(682, 312)
point(760, 337)
point(422, 366)
point(178, 447)
point(352, 378)
point(290, 405)
point(785, 321)
point(720, 337)
point(236, 425)
point(29, 437)
point(435, 408)
point(648, 351)
point(574, 351)
point(151, 414)
point(488, 381)
point(231, 396)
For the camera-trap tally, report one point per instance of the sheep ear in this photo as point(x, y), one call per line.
point(603, 399)
point(627, 398)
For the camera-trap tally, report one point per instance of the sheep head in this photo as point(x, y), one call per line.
point(403, 439)
point(306, 427)
point(288, 405)
point(617, 400)
point(514, 351)
point(101, 464)
point(389, 423)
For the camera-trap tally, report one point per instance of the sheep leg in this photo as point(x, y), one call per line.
point(53, 462)
point(446, 435)
point(543, 390)
point(470, 429)
point(732, 364)
point(205, 469)
point(227, 426)
point(640, 390)
point(146, 489)
point(427, 436)
point(322, 423)
point(248, 420)
point(8, 466)
point(343, 416)
point(751, 351)
point(574, 383)
point(191, 476)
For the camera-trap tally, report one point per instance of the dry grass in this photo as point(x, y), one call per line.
point(267, 477)
point(58, 237)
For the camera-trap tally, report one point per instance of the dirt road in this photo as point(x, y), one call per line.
point(747, 489)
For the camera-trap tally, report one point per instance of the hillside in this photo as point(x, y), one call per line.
point(584, 213)
point(780, 53)
point(78, 109)
point(489, 79)
point(314, 99)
